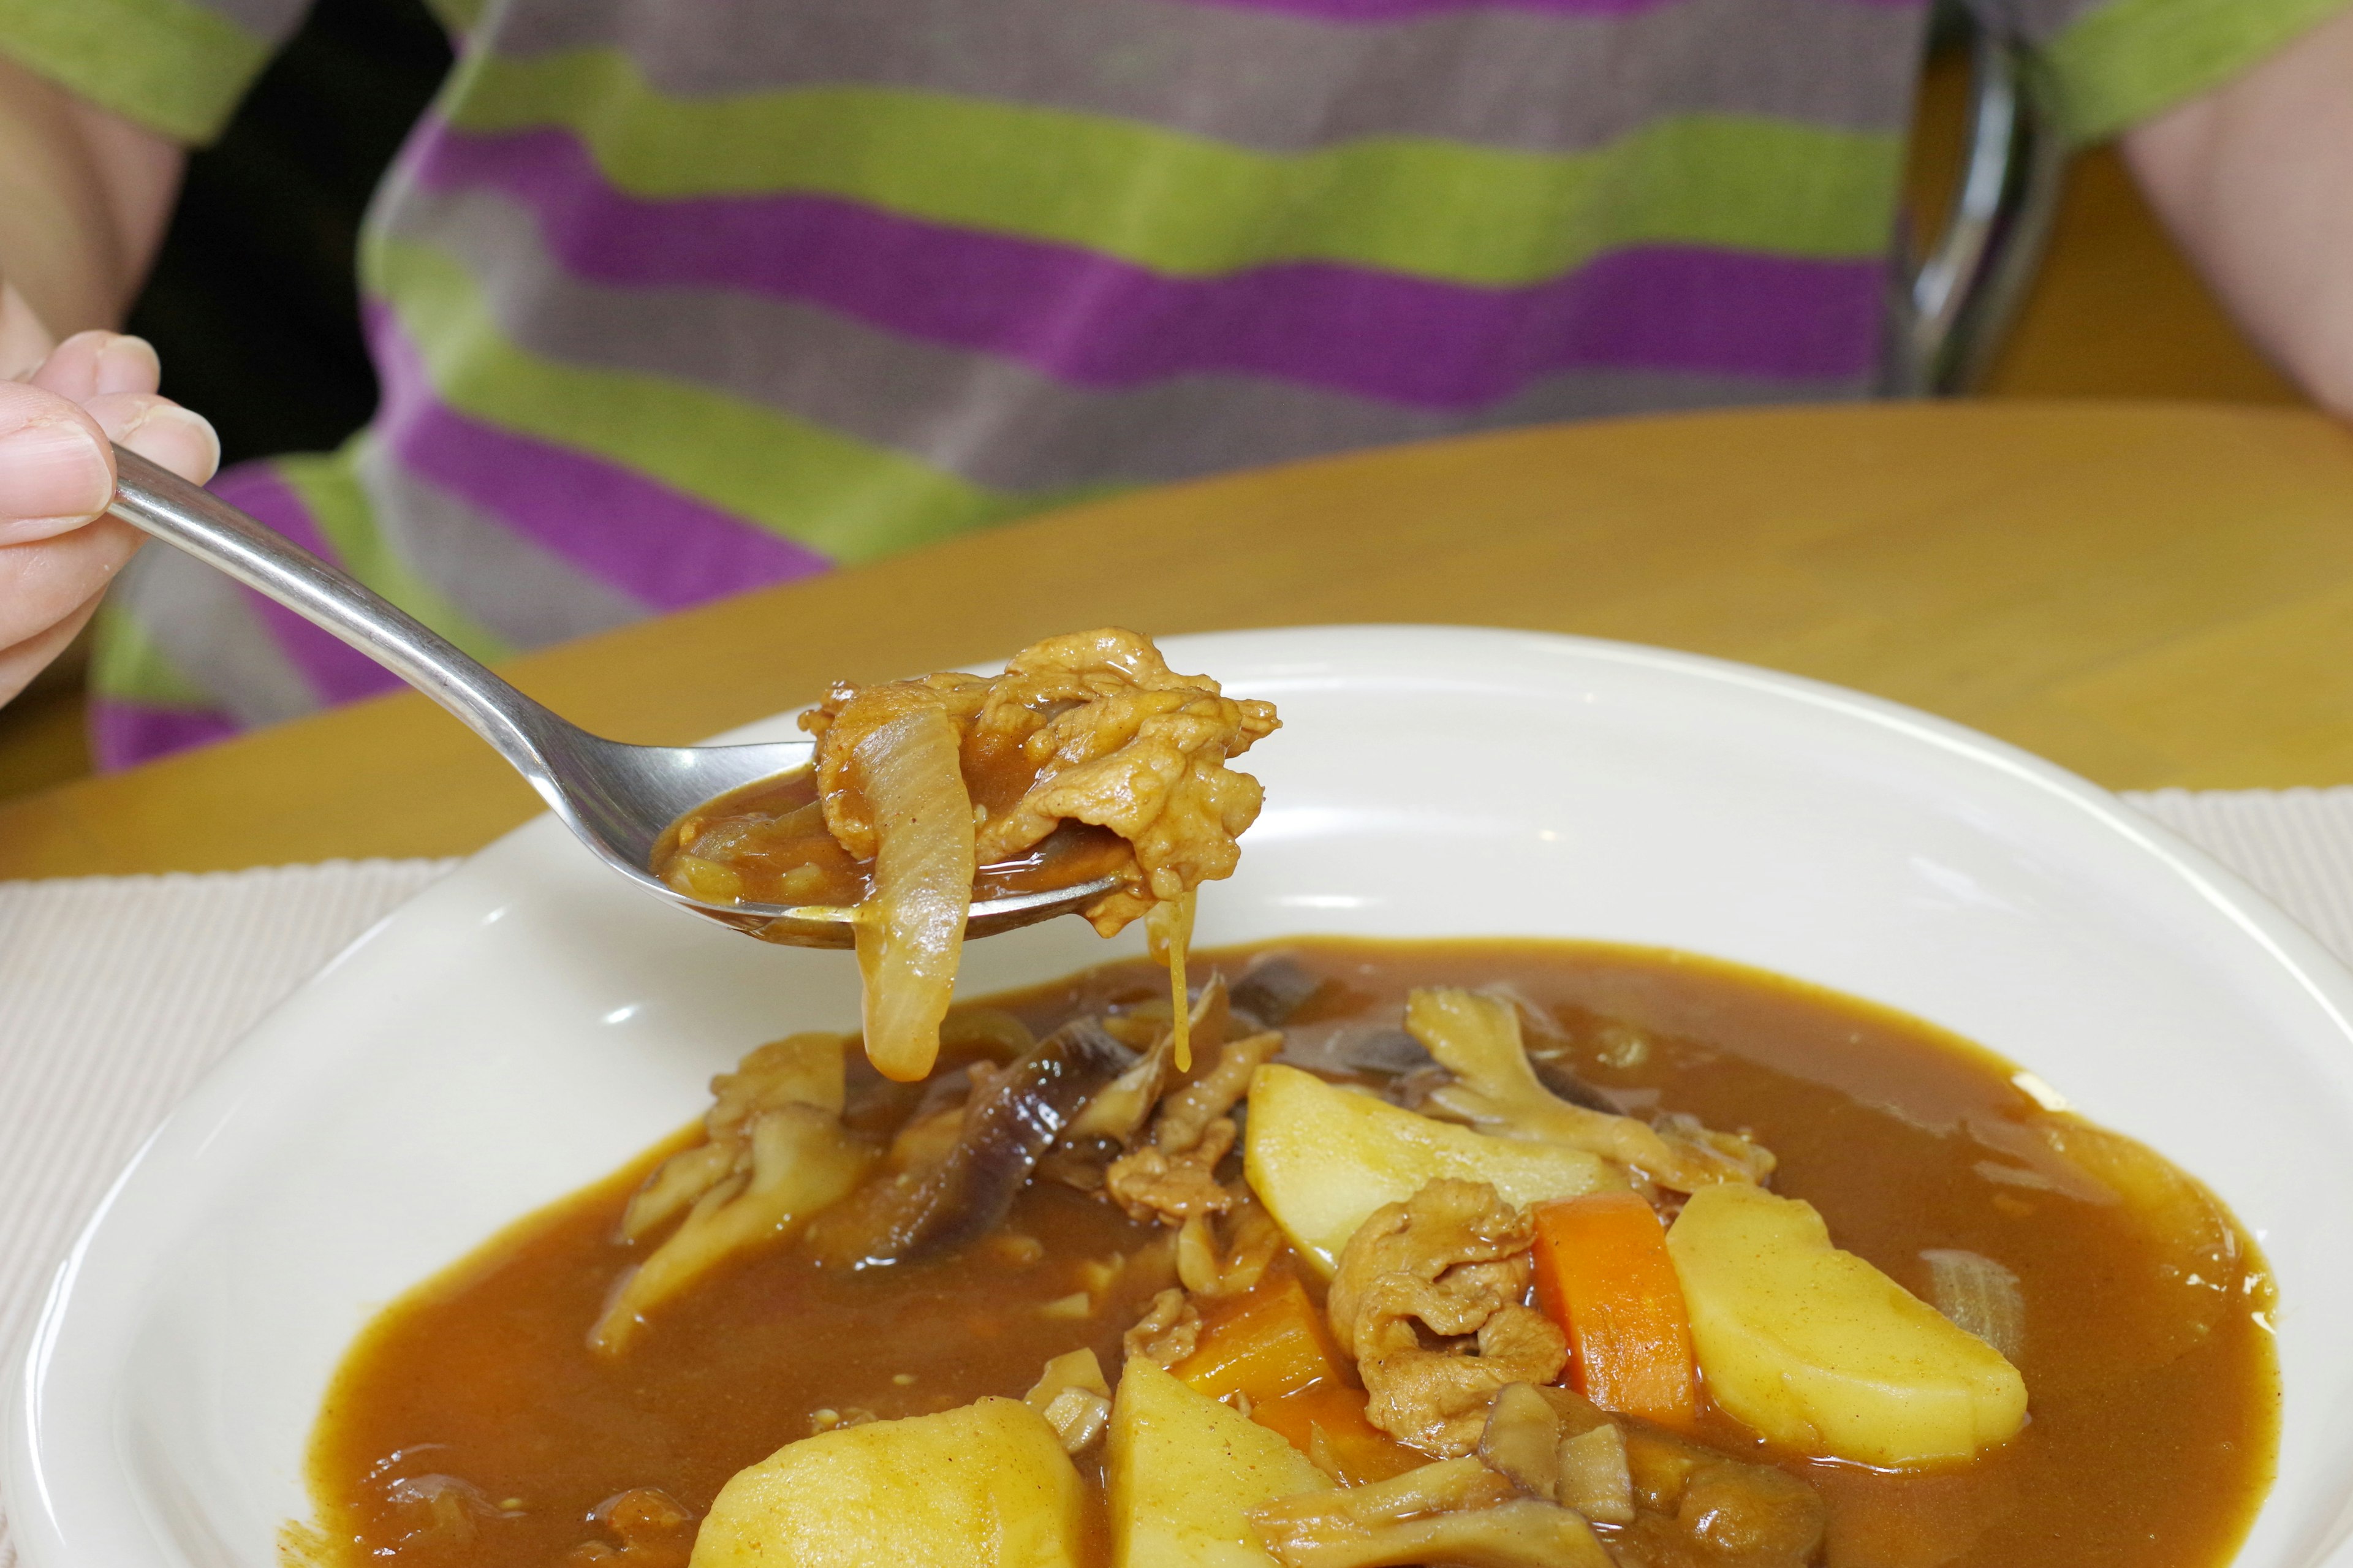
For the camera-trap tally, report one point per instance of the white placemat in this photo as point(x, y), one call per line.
point(117, 991)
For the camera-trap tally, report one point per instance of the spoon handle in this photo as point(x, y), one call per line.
point(159, 502)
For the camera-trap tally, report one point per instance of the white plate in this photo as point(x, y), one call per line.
point(530, 1023)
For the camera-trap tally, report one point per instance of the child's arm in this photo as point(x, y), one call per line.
point(2255, 180)
point(83, 199)
point(84, 196)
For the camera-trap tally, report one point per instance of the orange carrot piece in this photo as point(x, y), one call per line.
point(1262, 1346)
point(1604, 1274)
point(1362, 1451)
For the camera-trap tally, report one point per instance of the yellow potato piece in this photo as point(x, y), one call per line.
point(984, 1486)
point(1322, 1158)
point(1818, 1350)
point(1183, 1468)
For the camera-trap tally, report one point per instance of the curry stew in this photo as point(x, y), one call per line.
point(480, 1421)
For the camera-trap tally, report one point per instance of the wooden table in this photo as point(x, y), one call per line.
point(2151, 594)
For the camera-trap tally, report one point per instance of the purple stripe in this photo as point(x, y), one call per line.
point(1100, 322)
point(123, 733)
point(336, 671)
point(658, 545)
point(1374, 12)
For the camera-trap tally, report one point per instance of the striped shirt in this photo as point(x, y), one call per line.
point(674, 298)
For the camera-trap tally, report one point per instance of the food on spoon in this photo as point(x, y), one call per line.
point(1063, 1209)
point(1322, 1158)
point(1184, 1472)
point(985, 1486)
point(1087, 758)
point(1822, 1352)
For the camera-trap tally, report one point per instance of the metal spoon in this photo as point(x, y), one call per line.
point(616, 799)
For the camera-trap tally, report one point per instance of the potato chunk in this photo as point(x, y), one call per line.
point(1185, 1469)
point(984, 1486)
point(1322, 1158)
point(1818, 1350)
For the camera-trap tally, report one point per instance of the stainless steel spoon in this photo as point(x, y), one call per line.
point(615, 798)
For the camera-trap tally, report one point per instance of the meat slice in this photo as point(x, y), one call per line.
point(1449, 1264)
point(1172, 1178)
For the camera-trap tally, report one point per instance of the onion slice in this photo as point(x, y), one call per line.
point(910, 931)
point(1980, 1296)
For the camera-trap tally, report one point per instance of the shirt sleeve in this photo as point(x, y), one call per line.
point(177, 66)
point(2107, 65)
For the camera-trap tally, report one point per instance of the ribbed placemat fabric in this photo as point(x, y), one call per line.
point(2297, 845)
point(117, 991)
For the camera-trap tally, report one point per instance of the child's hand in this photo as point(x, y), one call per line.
point(59, 408)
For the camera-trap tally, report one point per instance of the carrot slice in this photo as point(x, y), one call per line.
point(1360, 1451)
point(1604, 1274)
point(1262, 1346)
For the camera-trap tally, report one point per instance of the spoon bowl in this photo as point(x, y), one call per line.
point(617, 799)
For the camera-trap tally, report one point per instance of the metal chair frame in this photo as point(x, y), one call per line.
point(1952, 311)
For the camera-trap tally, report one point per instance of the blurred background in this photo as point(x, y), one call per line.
point(253, 308)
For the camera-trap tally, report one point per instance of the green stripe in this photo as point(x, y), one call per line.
point(848, 500)
point(1187, 206)
point(328, 487)
point(126, 662)
point(169, 65)
point(458, 18)
point(2131, 59)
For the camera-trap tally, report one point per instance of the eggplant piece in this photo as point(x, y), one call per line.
point(1384, 1048)
point(1009, 1125)
point(1274, 988)
point(1555, 1075)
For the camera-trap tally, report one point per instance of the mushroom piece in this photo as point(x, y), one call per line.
point(1213, 1273)
point(1113, 1121)
point(1072, 1396)
point(1457, 1511)
point(1119, 1113)
point(1174, 1177)
point(1555, 1445)
point(1477, 1038)
point(775, 1154)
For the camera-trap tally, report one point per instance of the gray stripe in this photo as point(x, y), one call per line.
point(996, 423)
point(209, 631)
point(524, 594)
point(1281, 83)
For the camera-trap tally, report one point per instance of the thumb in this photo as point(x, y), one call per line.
point(56, 471)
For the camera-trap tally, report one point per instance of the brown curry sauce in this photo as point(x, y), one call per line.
point(470, 1424)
